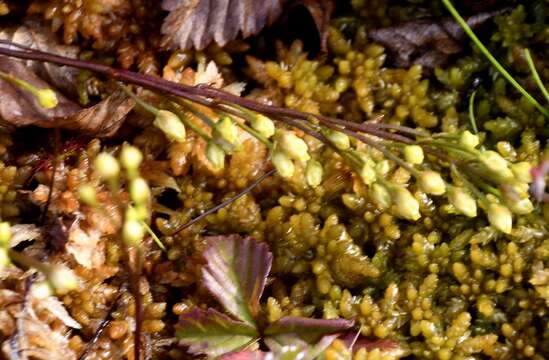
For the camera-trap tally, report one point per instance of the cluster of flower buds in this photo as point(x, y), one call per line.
point(109, 169)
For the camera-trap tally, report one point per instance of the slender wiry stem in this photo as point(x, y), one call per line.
point(202, 94)
point(535, 74)
point(492, 59)
point(227, 202)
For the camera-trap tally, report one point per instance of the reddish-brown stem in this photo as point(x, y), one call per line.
point(199, 92)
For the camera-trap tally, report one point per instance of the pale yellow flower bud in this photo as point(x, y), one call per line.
point(383, 167)
point(88, 195)
point(132, 232)
point(139, 191)
point(41, 290)
point(339, 139)
point(227, 129)
point(46, 98)
point(130, 158)
point(106, 166)
point(171, 125)
point(495, 163)
point(380, 194)
point(430, 182)
point(62, 279)
point(522, 172)
point(215, 155)
point(4, 258)
point(368, 174)
point(405, 204)
point(5, 234)
point(462, 201)
point(283, 163)
point(521, 206)
point(469, 140)
point(413, 154)
point(263, 125)
point(313, 173)
point(500, 217)
point(294, 146)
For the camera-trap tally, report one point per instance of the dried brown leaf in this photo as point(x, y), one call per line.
point(321, 12)
point(196, 23)
point(85, 247)
point(20, 108)
point(36, 36)
point(425, 42)
point(24, 232)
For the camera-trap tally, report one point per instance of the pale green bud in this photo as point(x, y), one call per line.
point(522, 172)
point(469, 140)
point(294, 146)
point(88, 195)
point(500, 217)
point(405, 204)
point(130, 158)
point(5, 234)
point(339, 139)
point(368, 174)
point(46, 98)
point(495, 163)
point(462, 201)
point(413, 154)
point(263, 125)
point(521, 206)
point(106, 166)
point(383, 167)
point(313, 173)
point(215, 155)
point(282, 163)
point(4, 258)
point(41, 290)
point(139, 191)
point(227, 129)
point(132, 232)
point(380, 194)
point(430, 182)
point(62, 279)
point(171, 125)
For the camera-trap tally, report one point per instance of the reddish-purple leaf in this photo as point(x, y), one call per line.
point(306, 328)
point(213, 333)
point(244, 355)
point(236, 271)
point(538, 181)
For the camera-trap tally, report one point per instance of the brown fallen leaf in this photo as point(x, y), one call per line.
point(20, 108)
point(425, 42)
point(196, 23)
point(36, 36)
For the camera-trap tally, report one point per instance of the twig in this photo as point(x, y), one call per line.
point(250, 187)
point(101, 328)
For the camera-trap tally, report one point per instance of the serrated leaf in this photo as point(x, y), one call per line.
point(308, 329)
point(236, 271)
point(196, 23)
point(213, 333)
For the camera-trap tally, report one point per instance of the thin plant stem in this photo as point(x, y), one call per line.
point(187, 122)
point(154, 236)
point(472, 119)
point(492, 59)
point(535, 74)
point(227, 202)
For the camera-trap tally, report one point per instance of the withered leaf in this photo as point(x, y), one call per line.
point(425, 42)
point(35, 35)
point(196, 23)
point(321, 12)
point(20, 108)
